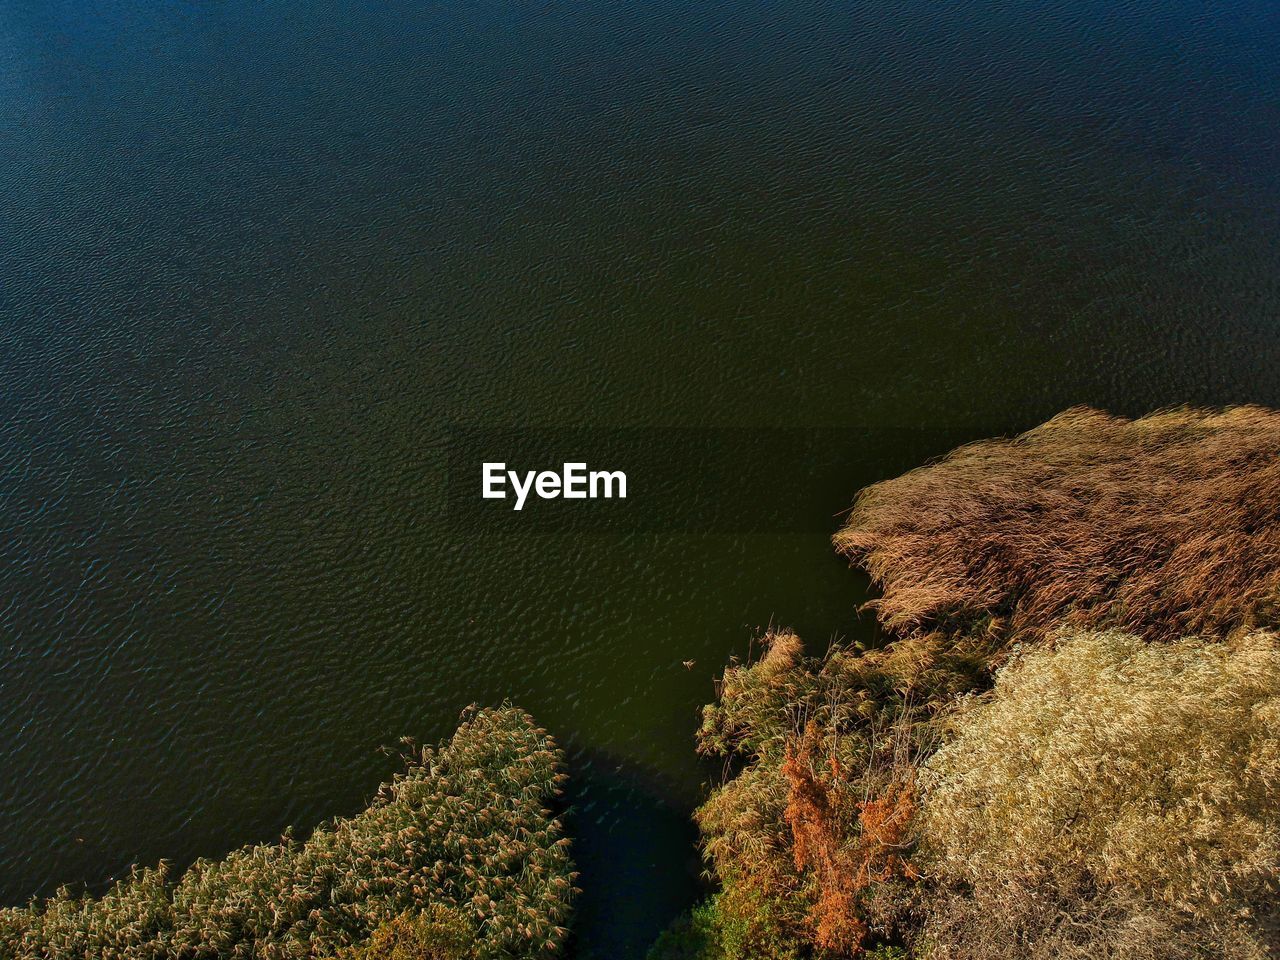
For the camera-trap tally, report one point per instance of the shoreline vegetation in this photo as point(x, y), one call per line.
point(1067, 746)
point(458, 856)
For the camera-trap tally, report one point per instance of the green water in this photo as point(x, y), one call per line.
point(258, 260)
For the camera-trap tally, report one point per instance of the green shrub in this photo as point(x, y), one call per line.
point(692, 936)
point(438, 933)
point(465, 828)
point(808, 834)
point(722, 929)
point(887, 953)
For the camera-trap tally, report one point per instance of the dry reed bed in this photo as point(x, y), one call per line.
point(1164, 526)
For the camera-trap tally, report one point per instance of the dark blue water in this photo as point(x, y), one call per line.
point(256, 260)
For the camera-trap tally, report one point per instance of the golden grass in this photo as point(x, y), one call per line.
point(1111, 771)
point(1168, 525)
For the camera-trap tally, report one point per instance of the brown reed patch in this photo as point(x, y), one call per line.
point(1164, 526)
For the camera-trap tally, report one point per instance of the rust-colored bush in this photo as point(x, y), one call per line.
point(884, 836)
point(847, 850)
point(1164, 526)
point(814, 822)
point(819, 843)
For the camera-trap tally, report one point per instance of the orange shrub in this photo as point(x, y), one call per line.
point(815, 821)
point(847, 854)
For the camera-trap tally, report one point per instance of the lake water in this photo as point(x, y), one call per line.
point(259, 262)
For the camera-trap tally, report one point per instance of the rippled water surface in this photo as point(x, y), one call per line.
point(256, 258)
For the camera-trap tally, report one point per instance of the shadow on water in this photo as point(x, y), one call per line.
point(638, 858)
